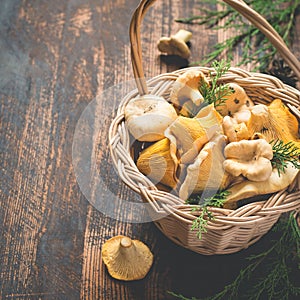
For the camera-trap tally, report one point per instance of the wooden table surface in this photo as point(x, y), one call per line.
point(56, 57)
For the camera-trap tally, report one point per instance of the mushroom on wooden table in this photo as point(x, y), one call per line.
point(176, 44)
point(126, 259)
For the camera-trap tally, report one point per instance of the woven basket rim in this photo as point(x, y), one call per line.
point(174, 204)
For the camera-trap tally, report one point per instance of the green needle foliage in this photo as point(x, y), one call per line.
point(179, 296)
point(215, 93)
point(268, 275)
point(284, 153)
point(200, 223)
point(254, 47)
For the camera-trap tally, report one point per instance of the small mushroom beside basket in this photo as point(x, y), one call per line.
point(231, 230)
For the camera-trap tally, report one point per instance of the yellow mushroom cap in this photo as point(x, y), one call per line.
point(157, 163)
point(188, 135)
point(248, 188)
point(274, 121)
point(126, 259)
point(235, 101)
point(207, 171)
point(185, 91)
point(250, 158)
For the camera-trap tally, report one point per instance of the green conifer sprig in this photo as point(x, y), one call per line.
point(284, 153)
point(253, 46)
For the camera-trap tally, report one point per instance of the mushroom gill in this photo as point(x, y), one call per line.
point(252, 159)
point(157, 163)
point(189, 135)
point(274, 122)
point(126, 259)
point(207, 171)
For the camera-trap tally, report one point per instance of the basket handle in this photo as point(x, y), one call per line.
point(256, 19)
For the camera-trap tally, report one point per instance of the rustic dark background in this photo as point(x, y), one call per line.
point(55, 57)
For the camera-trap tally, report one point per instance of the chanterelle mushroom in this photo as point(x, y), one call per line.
point(274, 121)
point(247, 188)
point(250, 158)
point(235, 101)
point(126, 259)
point(148, 116)
point(157, 163)
point(188, 135)
point(206, 172)
point(243, 114)
point(235, 131)
point(176, 44)
point(185, 92)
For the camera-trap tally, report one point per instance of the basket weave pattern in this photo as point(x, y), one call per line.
point(231, 230)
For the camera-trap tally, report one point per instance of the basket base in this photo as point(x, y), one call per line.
point(223, 240)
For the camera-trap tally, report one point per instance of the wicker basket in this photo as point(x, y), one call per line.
point(231, 230)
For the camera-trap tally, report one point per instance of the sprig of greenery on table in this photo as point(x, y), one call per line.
point(284, 153)
point(275, 263)
point(252, 44)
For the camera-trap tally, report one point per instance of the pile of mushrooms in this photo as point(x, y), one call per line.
point(195, 147)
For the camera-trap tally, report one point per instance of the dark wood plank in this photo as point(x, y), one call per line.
point(43, 216)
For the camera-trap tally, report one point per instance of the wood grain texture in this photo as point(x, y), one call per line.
point(56, 57)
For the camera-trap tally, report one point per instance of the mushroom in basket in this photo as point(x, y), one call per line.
point(250, 158)
point(185, 93)
point(247, 188)
point(188, 135)
point(206, 172)
point(183, 140)
point(274, 122)
point(157, 163)
point(235, 104)
point(148, 116)
point(235, 131)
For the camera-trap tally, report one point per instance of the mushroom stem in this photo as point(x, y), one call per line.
point(190, 93)
point(183, 35)
point(126, 242)
point(126, 259)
